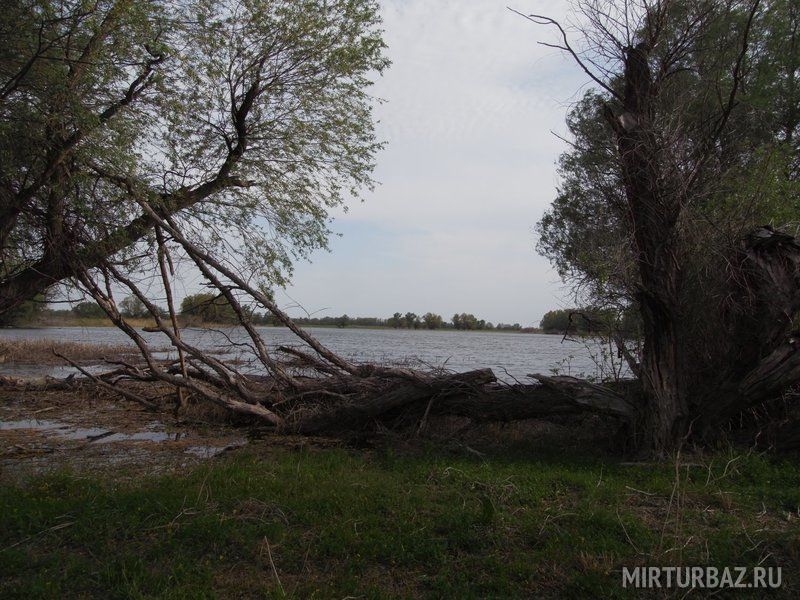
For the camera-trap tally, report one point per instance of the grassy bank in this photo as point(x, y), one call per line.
point(332, 523)
point(43, 352)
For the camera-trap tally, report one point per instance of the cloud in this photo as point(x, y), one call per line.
point(469, 169)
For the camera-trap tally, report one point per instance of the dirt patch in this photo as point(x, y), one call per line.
point(88, 430)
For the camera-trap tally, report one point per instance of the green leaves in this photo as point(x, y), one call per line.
point(251, 118)
point(750, 179)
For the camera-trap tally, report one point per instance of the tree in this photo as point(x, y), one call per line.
point(26, 313)
point(589, 320)
point(411, 321)
point(432, 321)
point(654, 195)
point(465, 321)
point(244, 121)
point(88, 310)
point(556, 321)
point(131, 306)
point(343, 321)
point(208, 308)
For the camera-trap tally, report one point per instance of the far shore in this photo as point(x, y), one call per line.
point(141, 323)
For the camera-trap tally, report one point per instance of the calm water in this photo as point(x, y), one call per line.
point(515, 353)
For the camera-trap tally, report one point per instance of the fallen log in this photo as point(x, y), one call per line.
point(589, 396)
point(353, 416)
point(511, 403)
point(475, 394)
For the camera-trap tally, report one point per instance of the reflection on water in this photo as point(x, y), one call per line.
point(511, 355)
point(95, 435)
point(91, 434)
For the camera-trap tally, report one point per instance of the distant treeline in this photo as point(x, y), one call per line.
point(203, 308)
point(589, 320)
point(398, 320)
point(206, 308)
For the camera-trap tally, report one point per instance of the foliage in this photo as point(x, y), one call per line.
point(468, 322)
point(133, 307)
point(208, 308)
point(677, 165)
point(88, 310)
point(429, 320)
point(590, 320)
point(246, 121)
point(26, 313)
point(411, 321)
point(432, 321)
point(754, 179)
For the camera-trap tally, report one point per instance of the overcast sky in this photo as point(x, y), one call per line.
point(471, 100)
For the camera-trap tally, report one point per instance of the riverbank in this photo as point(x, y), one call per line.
point(100, 498)
point(149, 323)
point(513, 511)
point(45, 352)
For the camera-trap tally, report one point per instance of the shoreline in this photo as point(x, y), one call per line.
point(140, 323)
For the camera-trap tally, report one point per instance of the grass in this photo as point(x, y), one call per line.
point(378, 524)
point(40, 351)
point(74, 321)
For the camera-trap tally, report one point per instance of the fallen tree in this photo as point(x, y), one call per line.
point(691, 384)
point(310, 390)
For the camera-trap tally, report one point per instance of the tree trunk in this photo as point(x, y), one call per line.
point(652, 213)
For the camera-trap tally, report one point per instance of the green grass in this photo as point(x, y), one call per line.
point(379, 524)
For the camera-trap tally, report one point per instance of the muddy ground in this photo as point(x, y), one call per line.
point(91, 430)
point(88, 429)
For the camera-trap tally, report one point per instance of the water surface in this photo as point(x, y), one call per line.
point(510, 355)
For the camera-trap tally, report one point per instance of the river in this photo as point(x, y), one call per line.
point(511, 355)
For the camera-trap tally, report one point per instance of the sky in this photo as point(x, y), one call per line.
point(471, 101)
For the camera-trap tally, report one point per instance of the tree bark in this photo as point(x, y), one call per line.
point(653, 214)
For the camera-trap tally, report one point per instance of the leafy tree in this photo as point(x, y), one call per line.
point(467, 321)
point(589, 320)
point(133, 307)
point(208, 308)
point(343, 321)
point(432, 321)
point(556, 321)
point(585, 232)
point(26, 313)
point(88, 310)
point(243, 121)
point(688, 142)
point(411, 321)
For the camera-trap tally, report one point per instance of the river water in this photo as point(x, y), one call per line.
point(510, 355)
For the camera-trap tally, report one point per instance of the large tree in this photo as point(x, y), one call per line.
point(245, 120)
point(686, 146)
